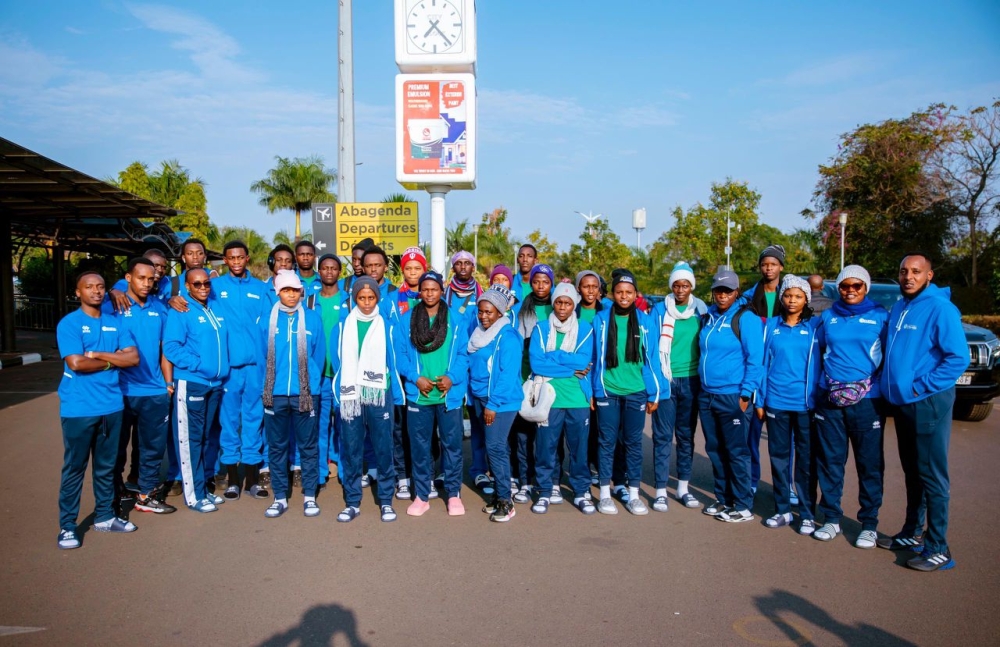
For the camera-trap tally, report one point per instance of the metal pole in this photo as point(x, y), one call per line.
point(345, 103)
point(438, 239)
point(843, 232)
point(476, 244)
point(59, 274)
point(7, 284)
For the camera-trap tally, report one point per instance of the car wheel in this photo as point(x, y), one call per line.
point(972, 411)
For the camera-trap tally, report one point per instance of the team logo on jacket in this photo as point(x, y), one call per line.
point(108, 329)
point(224, 294)
point(373, 376)
point(201, 319)
point(909, 327)
point(867, 321)
point(85, 330)
point(736, 422)
point(385, 416)
point(251, 295)
point(833, 320)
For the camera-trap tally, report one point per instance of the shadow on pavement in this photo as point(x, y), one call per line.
point(319, 626)
point(780, 605)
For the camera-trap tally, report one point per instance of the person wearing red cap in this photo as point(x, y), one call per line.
point(413, 264)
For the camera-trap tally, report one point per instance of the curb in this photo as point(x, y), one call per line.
point(20, 360)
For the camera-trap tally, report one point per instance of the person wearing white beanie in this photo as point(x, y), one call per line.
point(679, 320)
point(855, 272)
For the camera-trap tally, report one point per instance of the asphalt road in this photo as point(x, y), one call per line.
point(235, 578)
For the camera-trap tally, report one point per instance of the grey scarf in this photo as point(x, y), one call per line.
point(302, 354)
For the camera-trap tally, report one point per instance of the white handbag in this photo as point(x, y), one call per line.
point(539, 396)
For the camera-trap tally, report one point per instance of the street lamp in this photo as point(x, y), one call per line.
point(843, 229)
point(475, 233)
point(729, 245)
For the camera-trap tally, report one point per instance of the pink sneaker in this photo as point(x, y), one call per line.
point(455, 507)
point(418, 507)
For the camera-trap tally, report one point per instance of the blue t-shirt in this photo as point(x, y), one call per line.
point(84, 395)
point(852, 347)
point(145, 324)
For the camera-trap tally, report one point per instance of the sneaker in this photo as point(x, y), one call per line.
point(455, 506)
point(523, 495)
point(637, 507)
point(367, 478)
point(275, 510)
point(204, 506)
point(689, 500)
point(607, 506)
point(715, 509)
point(215, 498)
point(115, 524)
point(778, 520)
point(418, 507)
point(927, 561)
point(735, 516)
point(403, 492)
point(556, 497)
point(232, 492)
point(264, 480)
point(585, 505)
point(483, 483)
point(310, 509)
point(542, 506)
point(67, 540)
point(491, 507)
point(297, 478)
point(350, 513)
point(388, 514)
point(866, 539)
point(504, 512)
point(151, 504)
point(827, 532)
point(901, 542)
point(807, 527)
point(176, 489)
point(660, 504)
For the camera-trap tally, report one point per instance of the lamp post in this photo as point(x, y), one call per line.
point(638, 223)
point(843, 230)
point(475, 233)
point(729, 244)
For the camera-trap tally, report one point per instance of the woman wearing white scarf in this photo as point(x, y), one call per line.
point(366, 388)
point(679, 318)
point(560, 351)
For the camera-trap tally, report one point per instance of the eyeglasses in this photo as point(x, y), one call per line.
point(201, 284)
point(850, 287)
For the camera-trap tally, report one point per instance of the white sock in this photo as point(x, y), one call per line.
point(633, 493)
point(283, 502)
point(788, 517)
point(309, 498)
point(605, 491)
point(682, 488)
point(265, 470)
point(405, 482)
point(577, 500)
point(104, 524)
point(619, 488)
point(661, 491)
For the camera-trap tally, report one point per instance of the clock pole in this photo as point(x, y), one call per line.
point(438, 239)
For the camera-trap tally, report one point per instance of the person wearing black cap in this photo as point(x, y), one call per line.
point(357, 264)
point(305, 259)
point(731, 345)
point(625, 387)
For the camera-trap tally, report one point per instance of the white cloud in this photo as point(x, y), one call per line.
point(834, 70)
point(74, 30)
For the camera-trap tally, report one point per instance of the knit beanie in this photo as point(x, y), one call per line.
point(542, 268)
point(585, 273)
point(502, 270)
point(498, 295)
point(431, 276)
point(622, 276)
point(414, 254)
point(776, 252)
point(462, 255)
point(334, 257)
point(855, 272)
point(361, 283)
point(681, 271)
point(566, 290)
point(792, 281)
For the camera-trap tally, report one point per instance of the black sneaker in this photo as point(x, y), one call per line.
point(296, 478)
point(504, 512)
point(152, 504)
point(901, 542)
point(491, 507)
point(927, 561)
point(715, 509)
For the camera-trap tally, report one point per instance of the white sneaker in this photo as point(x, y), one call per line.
point(607, 506)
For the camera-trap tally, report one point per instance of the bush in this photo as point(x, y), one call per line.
point(990, 322)
point(974, 299)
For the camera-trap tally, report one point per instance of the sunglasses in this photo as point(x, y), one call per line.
point(850, 287)
point(201, 284)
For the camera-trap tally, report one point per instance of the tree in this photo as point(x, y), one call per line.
point(172, 186)
point(294, 185)
point(600, 249)
point(398, 197)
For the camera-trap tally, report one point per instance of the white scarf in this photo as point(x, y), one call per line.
point(364, 374)
point(481, 337)
point(569, 328)
point(667, 330)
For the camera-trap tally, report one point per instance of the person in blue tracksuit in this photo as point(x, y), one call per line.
point(93, 347)
point(197, 344)
point(495, 351)
point(240, 301)
point(593, 299)
point(679, 320)
point(282, 257)
point(366, 388)
point(561, 352)
point(730, 370)
point(305, 267)
point(926, 353)
point(434, 363)
point(850, 409)
point(145, 386)
point(161, 283)
point(626, 387)
point(789, 388)
point(292, 348)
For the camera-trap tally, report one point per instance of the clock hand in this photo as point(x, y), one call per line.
point(434, 24)
point(446, 40)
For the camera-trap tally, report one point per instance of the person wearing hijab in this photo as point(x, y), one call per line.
point(626, 388)
point(434, 364)
point(463, 289)
point(850, 408)
point(561, 353)
point(788, 390)
point(366, 387)
point(294, 350)
point(502, 275)
point(679, 320)
point(731, 348)
point(495, 383)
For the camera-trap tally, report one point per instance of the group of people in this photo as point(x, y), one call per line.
point(253, 388)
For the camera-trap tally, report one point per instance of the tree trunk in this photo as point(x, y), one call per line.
point(974, 244)
point(298, 235)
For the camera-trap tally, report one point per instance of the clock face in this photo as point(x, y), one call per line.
point(434, 27)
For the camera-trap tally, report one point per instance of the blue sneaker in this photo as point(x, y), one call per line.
point(205, 505)
point(927, 561)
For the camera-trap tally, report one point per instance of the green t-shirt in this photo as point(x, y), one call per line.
point(569, 393)
point(542, 313)
point(626, 378)
point(684, 349)
point(307, 281)
point(588, 314)
point(363, 327)
point(329, 311)
point(769, 298)
point(432, 366)
point(525, 289)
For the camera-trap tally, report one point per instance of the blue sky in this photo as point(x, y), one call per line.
point(583, 105)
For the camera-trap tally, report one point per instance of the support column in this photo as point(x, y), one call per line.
point(59, 275)
point(7, 285)
point(439, 249)
point(345, 54)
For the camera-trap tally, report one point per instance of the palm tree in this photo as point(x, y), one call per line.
point(398, 197)
point(294, 185)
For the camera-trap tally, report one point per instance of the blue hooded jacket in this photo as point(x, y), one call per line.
point(926, 349)
point(791, 365)
point(559, 363)
point(852, 347)
point(729, 365)
point(495, 372)
point(286, 364)
point(239, 303)
point(395, 384)
point(656, 388)
point(458, 362)
point(196, 342)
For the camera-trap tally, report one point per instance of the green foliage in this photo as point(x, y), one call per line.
point(171, 185)
point(294, 184)
point(399, 197)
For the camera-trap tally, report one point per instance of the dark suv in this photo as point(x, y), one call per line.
point(980, 383)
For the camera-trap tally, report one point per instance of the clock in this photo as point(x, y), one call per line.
point(434, 26)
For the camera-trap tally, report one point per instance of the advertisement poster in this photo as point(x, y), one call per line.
point(436, 130)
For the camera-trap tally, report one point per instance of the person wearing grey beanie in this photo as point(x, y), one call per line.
point(592, 291)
